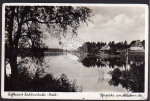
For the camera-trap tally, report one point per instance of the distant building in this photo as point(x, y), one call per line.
point(137, 46)
point(104, 49)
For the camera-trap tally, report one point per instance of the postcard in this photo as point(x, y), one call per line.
point(74, 51)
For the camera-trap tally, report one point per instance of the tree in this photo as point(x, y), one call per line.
point(98, 45)
point(143, 43)
point(125, 44)
point(23, 24)
point(132, 43)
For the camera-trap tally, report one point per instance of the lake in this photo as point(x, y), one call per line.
point(94, 74)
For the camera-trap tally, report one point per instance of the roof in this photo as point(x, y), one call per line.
point(106, 47)
point(137, 44)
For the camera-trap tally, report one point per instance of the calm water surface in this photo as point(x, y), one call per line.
point(91, 76)
point(97, 74)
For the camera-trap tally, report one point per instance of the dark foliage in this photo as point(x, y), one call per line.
point(23, 26)
point(102, 62)
point(132, 79)
point(93, 48)
point(44, 83)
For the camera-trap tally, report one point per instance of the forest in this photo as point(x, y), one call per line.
point(93, 47)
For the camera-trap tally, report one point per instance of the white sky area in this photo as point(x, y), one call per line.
point(109, 24)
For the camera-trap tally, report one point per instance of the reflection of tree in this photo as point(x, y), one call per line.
point(131, 79)
point(92, 62)
point(102, 62)
point(116, 74)
point(115, 62)
point(89, 62)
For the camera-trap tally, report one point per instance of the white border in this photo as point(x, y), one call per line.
point(76, 95)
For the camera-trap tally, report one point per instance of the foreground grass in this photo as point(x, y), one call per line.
point(45, 83)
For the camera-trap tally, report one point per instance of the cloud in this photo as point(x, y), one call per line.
point(119, 28)
point(110, 24)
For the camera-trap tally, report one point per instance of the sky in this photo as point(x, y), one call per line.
point(109, 23)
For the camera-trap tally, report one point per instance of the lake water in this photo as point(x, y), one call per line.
point(124, 74)
point(93, 74)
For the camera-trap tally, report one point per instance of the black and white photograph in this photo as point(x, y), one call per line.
point(74, 51)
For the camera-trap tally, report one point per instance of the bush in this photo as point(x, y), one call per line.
point(24, 82)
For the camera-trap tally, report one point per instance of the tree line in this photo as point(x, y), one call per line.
point(94, 47)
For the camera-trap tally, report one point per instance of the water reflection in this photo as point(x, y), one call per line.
point(94, 74)
point(128, 71)
point(102, 62)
